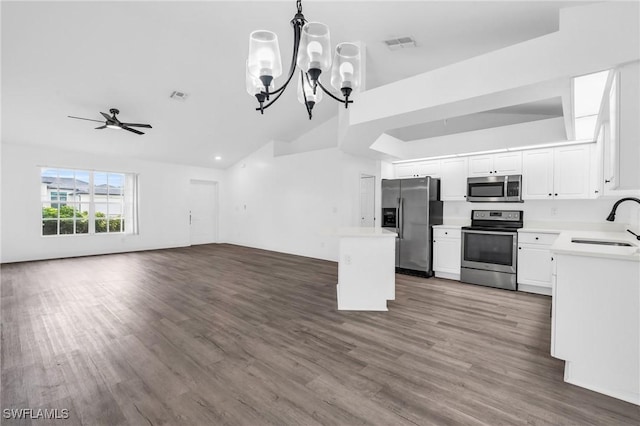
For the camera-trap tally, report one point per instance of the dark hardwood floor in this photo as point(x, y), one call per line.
point(221, 334)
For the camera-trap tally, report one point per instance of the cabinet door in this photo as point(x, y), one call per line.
point(446, 255)
point(508, 163)
point(534, 265)
point(453, 175)
point(428, 168)
point(571, 172)
point(405, 170)
point(480, 165)
point(537, 174)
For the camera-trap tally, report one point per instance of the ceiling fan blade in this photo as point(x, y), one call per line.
point(108, 117)
point(132, 130)
point(148, 126)
point(88, 119)
point(101, 127)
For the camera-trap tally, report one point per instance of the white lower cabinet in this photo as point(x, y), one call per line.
point(446, 251)
point(535, 262)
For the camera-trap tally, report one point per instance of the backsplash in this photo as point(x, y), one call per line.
point(564, 213)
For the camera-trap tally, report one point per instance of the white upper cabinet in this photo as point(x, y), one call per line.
point(537, 174)
point(453, 179)
point(418, 169)
point(508, 163)
point(480, 165)
point(428, 168)
point(557, 173)
point(406, 170)
point(571, 166)
point(505, 163)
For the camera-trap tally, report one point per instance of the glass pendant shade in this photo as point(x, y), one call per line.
point(264, 54)
point(346, 67)
point(303, 84)
point(315, 47)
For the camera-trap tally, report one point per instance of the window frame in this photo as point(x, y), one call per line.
point(126, 201)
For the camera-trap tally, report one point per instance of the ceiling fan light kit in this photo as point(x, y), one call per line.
point(312, 54)
point(112, 122)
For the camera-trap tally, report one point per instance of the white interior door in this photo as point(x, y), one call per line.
point(203, 212)
point(367, 200)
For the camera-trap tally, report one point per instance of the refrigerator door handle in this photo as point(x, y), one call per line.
point(400, 218)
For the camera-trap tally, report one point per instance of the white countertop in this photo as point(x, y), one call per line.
point(564, 245)
point(449, 226)
point(366, 232)
point(557, 227)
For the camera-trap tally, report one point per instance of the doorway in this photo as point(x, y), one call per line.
point(203, 212)
point(367, 200)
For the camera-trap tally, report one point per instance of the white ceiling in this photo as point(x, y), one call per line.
point(522, 113)
point(80, 58)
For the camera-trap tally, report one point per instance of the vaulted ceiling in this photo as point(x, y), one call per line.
point(82, 58)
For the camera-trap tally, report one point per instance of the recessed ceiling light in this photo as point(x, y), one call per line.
point(218, 157)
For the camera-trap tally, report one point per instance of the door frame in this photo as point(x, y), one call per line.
point(216, 207)
point(367, 176)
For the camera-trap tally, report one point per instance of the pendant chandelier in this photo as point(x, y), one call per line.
point(312, 54)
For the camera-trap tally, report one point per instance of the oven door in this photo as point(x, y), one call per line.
point(489, 250)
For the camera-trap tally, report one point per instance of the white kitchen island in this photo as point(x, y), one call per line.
point(366, 269)
point(595, 325)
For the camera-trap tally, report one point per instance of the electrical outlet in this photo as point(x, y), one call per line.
point(347, 259)
point(554, 211)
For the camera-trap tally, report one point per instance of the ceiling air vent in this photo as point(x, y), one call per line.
point(400, 43)
point(178, 96)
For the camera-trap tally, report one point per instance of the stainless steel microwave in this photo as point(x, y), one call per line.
point(495, 189)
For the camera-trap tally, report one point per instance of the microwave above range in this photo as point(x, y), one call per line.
point(495, 189)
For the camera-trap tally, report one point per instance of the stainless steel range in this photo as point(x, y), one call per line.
point(489, 248)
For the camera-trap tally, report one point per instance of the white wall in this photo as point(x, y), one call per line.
point(163, 204)
point(629, 126)
point(572, 214)
point(294, 203)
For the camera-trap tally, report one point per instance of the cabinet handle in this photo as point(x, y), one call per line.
point(607, 181)
point(446, 233)
point(519, 248)
point(490, 172)
point(495, 171)
point(596, 192)
point(552, 259)
point(549, 194)
point(536, 237)
point(555, 195)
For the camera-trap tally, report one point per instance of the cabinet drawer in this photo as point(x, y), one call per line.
point(536, 238)
point(446, 233)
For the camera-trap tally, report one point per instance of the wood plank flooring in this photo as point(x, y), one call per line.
point(222, 334)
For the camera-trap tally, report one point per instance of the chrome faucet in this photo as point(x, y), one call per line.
point(612, 215)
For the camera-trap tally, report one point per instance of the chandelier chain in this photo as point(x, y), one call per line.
point(299, 5)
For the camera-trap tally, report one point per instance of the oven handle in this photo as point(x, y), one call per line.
point(473, 231)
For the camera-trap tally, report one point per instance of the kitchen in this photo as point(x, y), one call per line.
point(249, 328)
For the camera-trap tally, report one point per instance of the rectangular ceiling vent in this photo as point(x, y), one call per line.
point(178, 96)
point(400, 43)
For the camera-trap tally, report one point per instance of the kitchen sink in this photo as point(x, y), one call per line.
point(601, 242)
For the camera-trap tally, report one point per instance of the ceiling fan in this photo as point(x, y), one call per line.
point(112, 122)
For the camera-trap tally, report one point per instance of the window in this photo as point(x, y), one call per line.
point(588, 91)
point(58, 196)
point(76, 202)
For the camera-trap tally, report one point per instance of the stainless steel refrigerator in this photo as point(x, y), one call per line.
point(410, 207)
